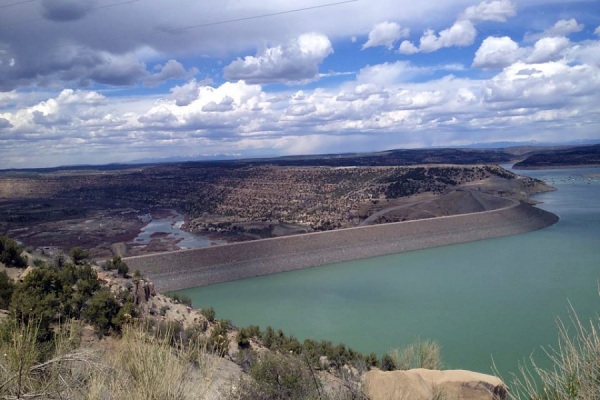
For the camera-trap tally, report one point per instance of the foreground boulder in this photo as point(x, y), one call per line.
point(426, 384)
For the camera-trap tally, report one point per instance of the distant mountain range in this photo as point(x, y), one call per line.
point(526, 154)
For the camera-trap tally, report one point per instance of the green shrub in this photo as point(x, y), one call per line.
point(181, 298)
point(388, 363)
point(218, 341)
point(118, 264)
point(79, 255)
point(279, 377)
point(209, 313)
point(10, 253)
point(6, 289)
point(101, 311)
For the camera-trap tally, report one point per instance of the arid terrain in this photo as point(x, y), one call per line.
point(102, 209)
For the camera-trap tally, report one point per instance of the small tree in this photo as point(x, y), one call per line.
point(118, 264)
point(79, 255)
point(10, 253)
point(101, 310)
point(6, 290)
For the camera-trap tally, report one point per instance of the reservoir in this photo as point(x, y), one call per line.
point(488, 301)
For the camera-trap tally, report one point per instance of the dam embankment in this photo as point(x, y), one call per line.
point(204, 266)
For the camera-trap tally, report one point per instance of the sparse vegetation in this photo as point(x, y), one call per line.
point(180, 298)
point(575, 365)
point(116, 264)
point(419, 354)
point(276, 376)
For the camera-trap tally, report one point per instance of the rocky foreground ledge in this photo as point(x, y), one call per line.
point(199, 267)
point(426, 384)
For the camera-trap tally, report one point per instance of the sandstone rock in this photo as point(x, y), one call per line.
point(424, 384)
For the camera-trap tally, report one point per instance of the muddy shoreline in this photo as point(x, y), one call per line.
point(204, 266)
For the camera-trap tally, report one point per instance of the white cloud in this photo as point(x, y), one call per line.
point(297, 61)
point(493, 10)
point(171, 70)
point(461, 34)
point(550, 84)
point(226, 104)
point(548, 49)
point(384, 74)
point(597, 30)
point(564, 27)
point(496, 52)
point(406, 47)
point(385, 34)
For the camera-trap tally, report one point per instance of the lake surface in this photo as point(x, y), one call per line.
point(494, 298)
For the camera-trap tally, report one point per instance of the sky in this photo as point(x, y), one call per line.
point(105, 81)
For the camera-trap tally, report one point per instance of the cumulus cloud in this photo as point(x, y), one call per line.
point(597, 30)
point(385, 34)
point(226, 104)
point(407, 47)
point(551, 84)
point(171, 70)
point(564, 27)
point(496, 52)
point(296, 61)
point(548, 49)
point(462, 33)
point(494, 10)
point(500, 52)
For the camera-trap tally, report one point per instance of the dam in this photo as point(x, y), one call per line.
point(184, 269)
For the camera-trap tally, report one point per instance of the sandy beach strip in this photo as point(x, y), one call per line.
point(205, 266)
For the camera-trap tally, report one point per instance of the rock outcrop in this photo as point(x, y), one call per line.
point(142, 291)
point(425, 384)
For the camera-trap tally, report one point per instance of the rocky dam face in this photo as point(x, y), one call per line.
point(198, 267)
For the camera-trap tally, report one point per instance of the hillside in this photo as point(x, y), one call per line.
point(570, 157)
point(98, 209)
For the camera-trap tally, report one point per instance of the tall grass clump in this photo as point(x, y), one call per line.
point(146, 367)
point(29, 370)
point(422, 353)
point(575, 365)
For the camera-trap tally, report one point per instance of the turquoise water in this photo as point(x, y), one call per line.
point(495, 298)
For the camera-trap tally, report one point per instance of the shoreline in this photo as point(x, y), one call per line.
point(576, 166)
point(185, 269)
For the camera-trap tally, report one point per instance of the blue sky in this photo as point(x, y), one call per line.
point(106, 81)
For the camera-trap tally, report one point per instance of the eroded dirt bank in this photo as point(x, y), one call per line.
point(205, 266)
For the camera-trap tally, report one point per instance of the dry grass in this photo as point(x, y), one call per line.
point(141, 366)
point(25, 372)
point(419, 354)
point(146, 368)
point(575, 371)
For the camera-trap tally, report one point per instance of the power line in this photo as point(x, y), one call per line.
point(228, 21)
point(203, 25)
point(16, 3)
point(233, 20)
